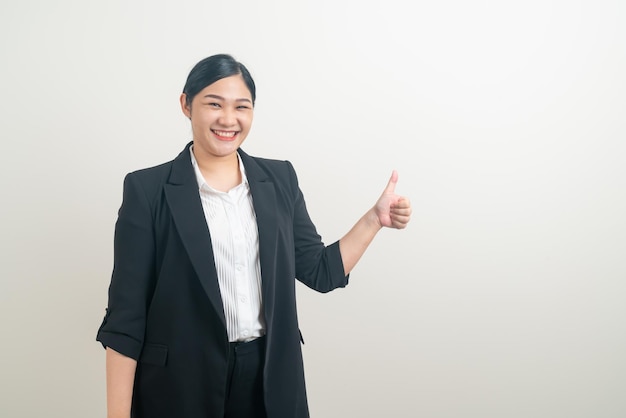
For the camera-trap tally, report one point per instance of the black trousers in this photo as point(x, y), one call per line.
point(244, 390)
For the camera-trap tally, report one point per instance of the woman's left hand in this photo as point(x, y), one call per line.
point(393, 211)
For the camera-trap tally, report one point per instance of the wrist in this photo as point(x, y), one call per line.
point(372, 219)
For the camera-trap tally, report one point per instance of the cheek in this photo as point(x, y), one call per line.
point(247, 123)
point(201, 121)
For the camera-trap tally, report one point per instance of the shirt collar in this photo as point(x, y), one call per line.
point(200, 177)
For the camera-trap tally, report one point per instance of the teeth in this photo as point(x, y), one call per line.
point(225, 133)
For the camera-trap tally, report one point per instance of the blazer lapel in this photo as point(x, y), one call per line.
point(184, 201)
point(264, 202)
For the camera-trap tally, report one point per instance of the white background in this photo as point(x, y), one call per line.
point(505, 297)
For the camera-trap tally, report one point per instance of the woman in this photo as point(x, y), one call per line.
point(201, 320)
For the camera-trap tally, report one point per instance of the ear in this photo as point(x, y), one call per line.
point(184, 106)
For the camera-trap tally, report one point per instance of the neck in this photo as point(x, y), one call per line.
point(221, 173)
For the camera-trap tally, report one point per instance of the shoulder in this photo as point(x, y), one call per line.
point(156, 173)
point(149, 181)
point(160, 174)
point(280, 172)
point(272, 165)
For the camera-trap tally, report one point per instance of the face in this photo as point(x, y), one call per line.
point(221, 117)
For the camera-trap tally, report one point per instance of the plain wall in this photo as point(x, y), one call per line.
point(506, 295)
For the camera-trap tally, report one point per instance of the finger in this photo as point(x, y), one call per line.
point(401, 211)
point(399, 223)
point(400, 219)
point(401, 203)
point(404, 215)
point(391, 186)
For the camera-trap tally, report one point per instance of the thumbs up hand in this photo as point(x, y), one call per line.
point(393, 211)
point(390, 210)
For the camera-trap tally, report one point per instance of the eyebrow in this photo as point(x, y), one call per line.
point(215, 96)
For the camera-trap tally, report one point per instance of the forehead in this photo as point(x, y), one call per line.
point(227, 88)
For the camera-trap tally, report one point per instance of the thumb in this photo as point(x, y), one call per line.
point(391, 186)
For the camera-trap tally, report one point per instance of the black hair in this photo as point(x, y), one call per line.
point(212, 69)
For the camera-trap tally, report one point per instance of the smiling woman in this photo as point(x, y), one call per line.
point(202, 315)
point(221, 117)
point(219, 101)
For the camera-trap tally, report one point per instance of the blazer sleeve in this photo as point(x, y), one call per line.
point(318, 266)
point(132, 281)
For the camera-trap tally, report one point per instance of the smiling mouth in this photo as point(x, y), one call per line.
point(225, 135)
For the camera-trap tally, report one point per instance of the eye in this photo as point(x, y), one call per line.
point(213, 104)
point(243, 107)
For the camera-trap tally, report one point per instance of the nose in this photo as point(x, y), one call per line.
point(227, 117)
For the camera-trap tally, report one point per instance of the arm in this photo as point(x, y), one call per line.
point(122, 330)
point(120, 373)
point(390, 211)
point(134, 277)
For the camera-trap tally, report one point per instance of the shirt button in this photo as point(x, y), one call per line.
point(243, 299)
point(245, 333)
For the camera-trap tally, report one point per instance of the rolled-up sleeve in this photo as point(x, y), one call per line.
point(133, 277)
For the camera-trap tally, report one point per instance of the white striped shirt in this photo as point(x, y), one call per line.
point(235, 240)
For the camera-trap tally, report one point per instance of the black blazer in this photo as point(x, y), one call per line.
point(165, 308)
